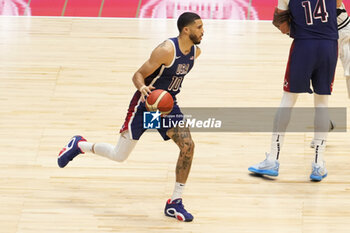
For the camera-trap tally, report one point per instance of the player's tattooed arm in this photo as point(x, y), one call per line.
point(182, 137)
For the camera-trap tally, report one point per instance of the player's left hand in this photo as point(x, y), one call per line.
point(145, 91)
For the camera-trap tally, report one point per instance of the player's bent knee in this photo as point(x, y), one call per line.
point(124, 148)
point(120, 158)
point(121, 154)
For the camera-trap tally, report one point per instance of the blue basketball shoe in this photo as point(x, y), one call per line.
point(318, 172)
point(70, 151)
point(267, 167)
point(175, 209)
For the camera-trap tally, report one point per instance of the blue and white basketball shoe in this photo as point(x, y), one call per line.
point(267, 167)
point(175, 209)
point(318, 172)
point(70, 151)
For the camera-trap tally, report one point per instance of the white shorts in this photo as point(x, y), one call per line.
point(344, 48)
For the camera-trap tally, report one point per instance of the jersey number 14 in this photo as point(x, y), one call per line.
point(320, 12)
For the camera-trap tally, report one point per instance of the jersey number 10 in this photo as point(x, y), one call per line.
point(175, 83)
point(320, 12)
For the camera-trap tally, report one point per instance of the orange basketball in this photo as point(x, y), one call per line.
point(161, 100)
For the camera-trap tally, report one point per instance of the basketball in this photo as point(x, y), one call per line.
point(160, 100)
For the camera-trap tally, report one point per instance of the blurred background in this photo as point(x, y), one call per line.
point(208, 9)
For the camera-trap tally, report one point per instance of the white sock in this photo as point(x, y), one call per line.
point(320, 147)
point(321, 126)
point(280, 123)
point(85, 146)
point(276, 145)
point(119, 153)
point(178, 191)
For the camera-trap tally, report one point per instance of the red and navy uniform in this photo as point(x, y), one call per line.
point(314, 51)
point(167, 78)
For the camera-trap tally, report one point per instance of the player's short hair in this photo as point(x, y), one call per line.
point(186, 19)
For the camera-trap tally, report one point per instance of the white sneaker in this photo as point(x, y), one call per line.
point(318, 172)
point(267, 167)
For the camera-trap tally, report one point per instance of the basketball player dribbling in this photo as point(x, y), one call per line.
point(312, 59)
point(165, 69)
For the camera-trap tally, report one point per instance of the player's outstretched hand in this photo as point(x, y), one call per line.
point(145, 91)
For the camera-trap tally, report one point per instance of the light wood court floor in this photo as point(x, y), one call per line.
point(62, 76)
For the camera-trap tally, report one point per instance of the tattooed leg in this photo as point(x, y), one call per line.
point(182, 137)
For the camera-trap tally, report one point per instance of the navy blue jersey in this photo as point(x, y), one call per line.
point(313, 19)
point(170, 77)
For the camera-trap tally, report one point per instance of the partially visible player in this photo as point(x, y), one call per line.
point(344, 41)
point(165, 69)
point(343, 21)
point(312, 58)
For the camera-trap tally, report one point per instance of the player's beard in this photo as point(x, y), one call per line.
point(195, 39)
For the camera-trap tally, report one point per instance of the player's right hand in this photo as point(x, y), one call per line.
point(145, 91)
